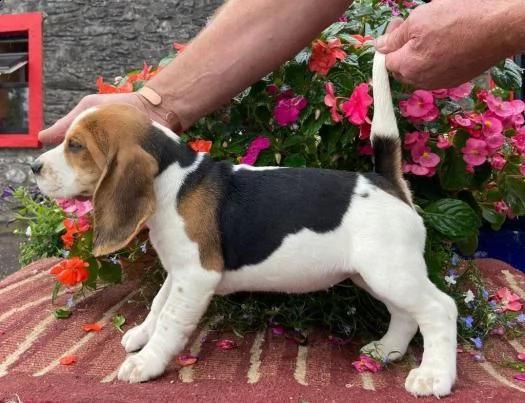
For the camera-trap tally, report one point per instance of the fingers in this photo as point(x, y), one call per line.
point(395, 37)
point(394, 24)
point(55, 134)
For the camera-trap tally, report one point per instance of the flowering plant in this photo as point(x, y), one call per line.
point(463, 151)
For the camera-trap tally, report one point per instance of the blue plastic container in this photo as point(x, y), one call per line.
point(507, 244)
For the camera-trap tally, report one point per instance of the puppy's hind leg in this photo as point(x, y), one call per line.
point(409, 290)
point(137, 337)
point(402, 328)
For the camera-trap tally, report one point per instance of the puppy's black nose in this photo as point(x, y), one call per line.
point(36, 166)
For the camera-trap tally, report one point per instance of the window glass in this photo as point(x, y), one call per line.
point(14, 91)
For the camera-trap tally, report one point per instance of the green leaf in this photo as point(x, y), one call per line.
point(494, 218)
point(165, 61)
point(293, 141)
point(118, 321)
point(468, 246)
point(453, 218)
point(110, 272)
point(295, 160)
point(507, 75)
point(62, 313)
point(453, 173)
point(516, 186)
point(56, 290)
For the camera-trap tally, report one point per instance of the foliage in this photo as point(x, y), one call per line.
point(39, 225)
point(463, 156)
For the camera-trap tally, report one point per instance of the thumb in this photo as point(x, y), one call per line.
point(395, 37)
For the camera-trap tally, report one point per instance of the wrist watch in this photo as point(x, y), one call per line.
point(155, 100)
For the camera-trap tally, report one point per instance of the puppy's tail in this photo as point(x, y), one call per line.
point(385, 133)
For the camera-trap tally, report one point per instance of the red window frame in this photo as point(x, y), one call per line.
point(30, 23)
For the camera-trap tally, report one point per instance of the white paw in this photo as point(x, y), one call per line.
point(429, 381)
point(384, 351)
point(140, 368)
point(136, 338)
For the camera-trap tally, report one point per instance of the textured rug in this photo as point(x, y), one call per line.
point(262, 368)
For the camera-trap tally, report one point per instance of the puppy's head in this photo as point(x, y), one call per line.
point(103, 157)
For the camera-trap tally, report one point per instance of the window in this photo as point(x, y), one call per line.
point(20, 80)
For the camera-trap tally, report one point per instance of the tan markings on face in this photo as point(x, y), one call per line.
point(199, 211)
point(96, 137)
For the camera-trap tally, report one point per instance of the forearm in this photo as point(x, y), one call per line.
point(246, 40)
point(520, 35)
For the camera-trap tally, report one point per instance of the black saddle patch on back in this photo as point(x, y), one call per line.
point(261, 208)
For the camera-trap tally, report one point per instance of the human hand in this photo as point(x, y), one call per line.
point(445, 43)
point(55, 134)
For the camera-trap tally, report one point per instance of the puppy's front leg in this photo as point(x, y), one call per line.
point(137, 337)
point(191, 290)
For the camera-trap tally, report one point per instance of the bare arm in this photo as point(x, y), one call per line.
point(245, 40)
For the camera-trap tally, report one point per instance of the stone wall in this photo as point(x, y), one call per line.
point(85, 39)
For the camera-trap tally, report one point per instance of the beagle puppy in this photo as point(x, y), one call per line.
point(220, 228)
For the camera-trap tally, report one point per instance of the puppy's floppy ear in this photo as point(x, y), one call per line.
point(124, 199)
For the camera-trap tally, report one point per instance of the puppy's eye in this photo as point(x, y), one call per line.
point(74, 146)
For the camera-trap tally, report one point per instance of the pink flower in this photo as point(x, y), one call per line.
point(272, 89)
point(494, 142)
point(460, 92)
point(423, 155)
point(420, 106)
point(441, 93)
point(501, 108)
point(498, 162)
point(417, 169)
point(78, 207)
point(225, 344)
point(501, 207)
point(443, 142)
point(254, 149)
point(413, 138)
point(518, 141)
point(491, 125)
point(475, 152)
point(356, 108)
point(508, 300)
point(522, 168)
point(366, 363)
point(364, 131)
point(518, 105)
point(287, 110)
point(365, 149)
point(460, 121)
point(331, 101)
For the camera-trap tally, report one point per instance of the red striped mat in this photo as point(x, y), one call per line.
point(263, 367)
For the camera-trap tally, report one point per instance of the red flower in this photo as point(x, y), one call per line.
point(325, 55)
point(200, 145)
point(104, 88)
point(356, 108)
point(95, 327)
point(179, 47)
point(73, 228)
point(360, 40)
point(330, 100)
point(68, 360)
point(71, 271)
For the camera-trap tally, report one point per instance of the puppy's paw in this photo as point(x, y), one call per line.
point(136, 338)
point(140, 368)
point(384, 350)
point(429, 381)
